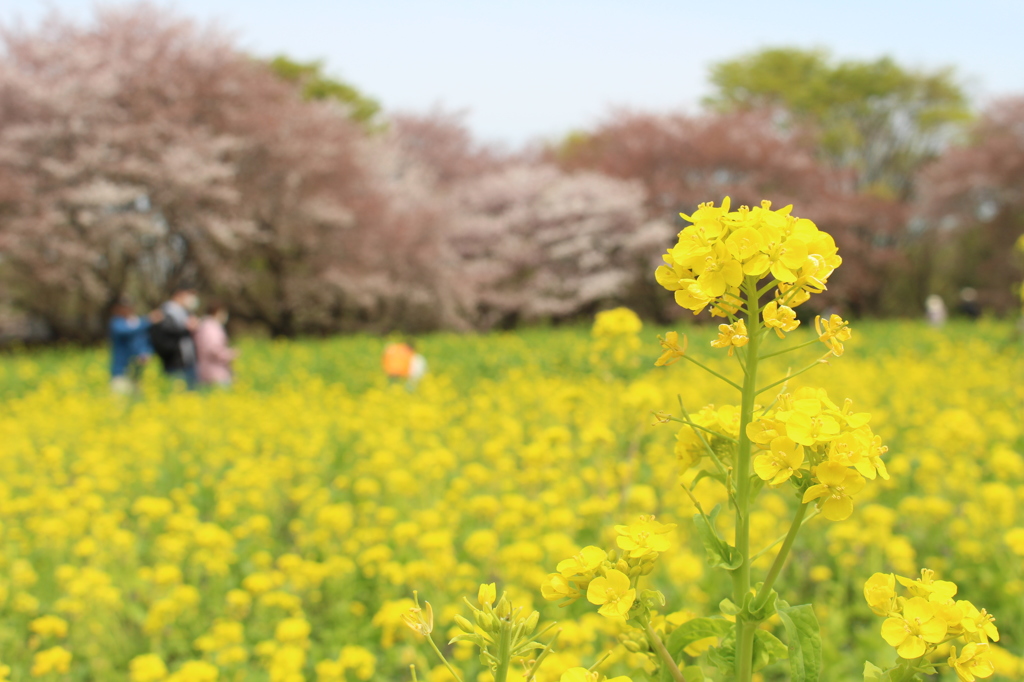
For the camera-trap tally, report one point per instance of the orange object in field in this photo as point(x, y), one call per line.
point(397, 358)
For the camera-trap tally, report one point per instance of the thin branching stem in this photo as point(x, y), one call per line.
point(783, 537)
point(819, 361)
point(790, 349)
point(659, 647)
point(704, 442)
point(767, 287)
point(451, 669)
point(780, 558)
point(713, 372)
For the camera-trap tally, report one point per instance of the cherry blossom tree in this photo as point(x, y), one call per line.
point(972, 199)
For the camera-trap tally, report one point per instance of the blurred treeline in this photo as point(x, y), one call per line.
point(142, 151)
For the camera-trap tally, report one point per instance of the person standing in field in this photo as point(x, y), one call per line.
point(172, 337)
point(401, 362)
point(935, 310)
point(214, 357)
point(129, 346)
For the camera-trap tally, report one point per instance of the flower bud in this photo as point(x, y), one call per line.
point(464, 624)
point(531, 623)
point(504, 608)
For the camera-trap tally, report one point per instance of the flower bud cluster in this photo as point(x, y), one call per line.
point(497, 625)
point(927, 615)
point(708, 264)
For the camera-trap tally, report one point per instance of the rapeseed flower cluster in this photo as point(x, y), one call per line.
point(175, 535)
point(616, 339)
point(708, 264)
point(927, 616)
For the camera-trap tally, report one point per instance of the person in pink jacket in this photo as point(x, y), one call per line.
point(214, 359)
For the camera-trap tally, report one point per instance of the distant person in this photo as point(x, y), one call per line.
point(935, 310)
point(172, 337)
point(969, 305)
point(130, 349)
point(214, 357)
point(401, 362)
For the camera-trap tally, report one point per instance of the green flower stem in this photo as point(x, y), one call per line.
point(782, 537)
point(767, 287)
point(705, 429)
point(780, 558)
point(453, 671)
point(743, 365)
point(741, 576)
point(713, 372)
point(704, 441)
point(791, 348)
point(504, 652)
point(531, 674)
point(808, 368)
point(663, 653)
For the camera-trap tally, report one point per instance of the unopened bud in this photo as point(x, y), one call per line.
point(531, 623)
point(504, 608)
point(464, 624)
point(483, 621)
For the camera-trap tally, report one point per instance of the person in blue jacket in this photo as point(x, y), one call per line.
point(130, 349)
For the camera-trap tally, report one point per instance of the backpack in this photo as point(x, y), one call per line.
point(164, 339)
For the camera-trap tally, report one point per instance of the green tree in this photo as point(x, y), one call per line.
point(316, 85)
point(876, 118)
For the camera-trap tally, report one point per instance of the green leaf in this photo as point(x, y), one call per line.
point(773, 647)
point(872, 673)
point(694, 630)
point(804, 641)
point(767, 609)
point(728, 607)
point(693, 673)
point(723, 657)
point(719, 552)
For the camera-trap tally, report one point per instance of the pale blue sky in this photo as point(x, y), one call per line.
point(535, 69)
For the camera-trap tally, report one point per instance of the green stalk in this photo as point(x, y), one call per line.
point(741, 576)
point(453, 671)
point(666, 657)
point(504, 652)
point(780, 559)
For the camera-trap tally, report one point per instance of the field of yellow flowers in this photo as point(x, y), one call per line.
point(277, 530)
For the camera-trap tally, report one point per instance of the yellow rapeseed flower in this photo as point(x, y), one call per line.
point(836, 485)
point(731, 336)
point(781, 318)
point(49, 626)
point(918, 626)
point(780, 461)
point(53, 660)
point(880, 593)
point(641, 538)
point(613, 593)
point(973, 662)
point(147, 668)
point(673, 349)
point(833, 332)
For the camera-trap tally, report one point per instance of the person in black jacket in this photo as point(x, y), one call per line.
point(172, 336)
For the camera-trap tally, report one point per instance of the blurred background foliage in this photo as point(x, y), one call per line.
point(140, 151)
